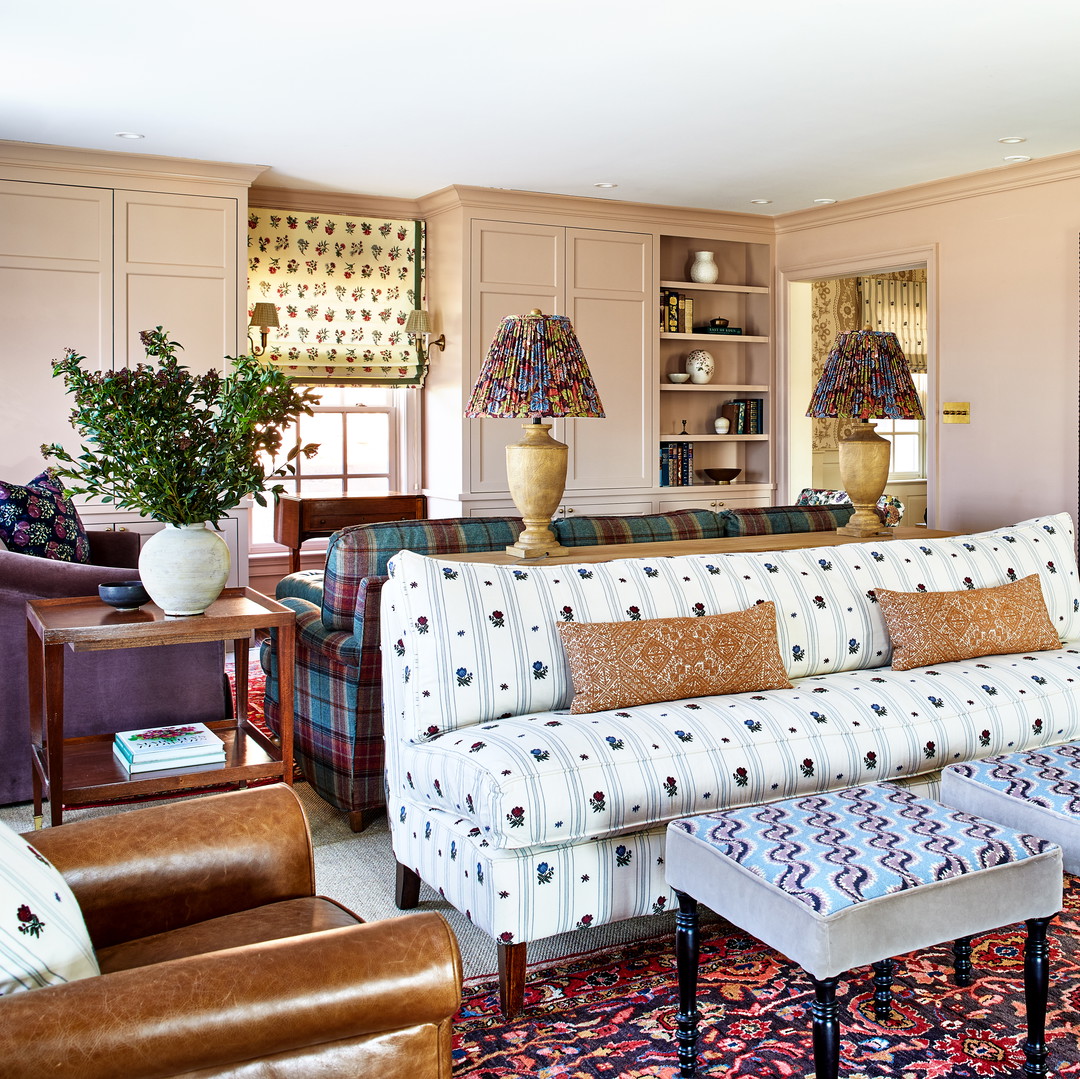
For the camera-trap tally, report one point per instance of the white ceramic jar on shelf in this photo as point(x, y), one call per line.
point(704, 270)
point(700, 366)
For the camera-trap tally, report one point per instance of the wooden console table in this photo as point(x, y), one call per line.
point(779, 541)
point(298, 518)
point(76, 771)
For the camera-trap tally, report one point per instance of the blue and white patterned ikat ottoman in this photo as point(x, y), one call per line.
point(841, 880)
point(1036, 792)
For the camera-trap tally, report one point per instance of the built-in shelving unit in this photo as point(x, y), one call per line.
point(744, 364)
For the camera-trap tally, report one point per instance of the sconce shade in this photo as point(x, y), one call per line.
point(264, 315)
point(535, 367)
point(866, 377)
point(419, 321)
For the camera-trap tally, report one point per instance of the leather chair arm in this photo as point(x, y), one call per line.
point(184, 862)
point(217, 1010)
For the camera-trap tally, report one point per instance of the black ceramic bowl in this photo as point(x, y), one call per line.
point(123, 595)
point(721, 475)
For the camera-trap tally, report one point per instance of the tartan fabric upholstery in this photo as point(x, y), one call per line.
point(363, 551)
point(651, 528)
point(775, 519)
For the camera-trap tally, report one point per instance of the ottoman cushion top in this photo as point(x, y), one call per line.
point(1049, 778)
point(830, 851)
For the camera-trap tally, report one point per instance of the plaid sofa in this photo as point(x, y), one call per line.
point(338, 725)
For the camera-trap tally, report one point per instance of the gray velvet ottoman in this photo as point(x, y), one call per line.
point(841, 880)
point(1036, 792)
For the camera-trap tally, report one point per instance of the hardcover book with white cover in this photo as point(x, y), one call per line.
point(177, 742)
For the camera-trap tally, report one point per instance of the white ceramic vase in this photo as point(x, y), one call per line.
point(700, 366)
point(704, 270)
point(184, 568)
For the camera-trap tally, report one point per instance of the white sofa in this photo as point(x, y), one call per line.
point(533, 821)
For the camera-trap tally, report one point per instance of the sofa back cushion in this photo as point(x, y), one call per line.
point(364, 551)
point(650, 528)
point(474, 642)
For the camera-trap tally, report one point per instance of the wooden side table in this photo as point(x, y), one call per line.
point(77, 771)
point(298, 518)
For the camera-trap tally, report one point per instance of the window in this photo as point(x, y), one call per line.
point(361, 432)
point(907, 459)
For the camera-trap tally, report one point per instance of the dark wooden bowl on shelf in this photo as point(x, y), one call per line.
point(721, 475)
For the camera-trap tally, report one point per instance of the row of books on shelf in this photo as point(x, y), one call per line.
point(676, 464)
point(677, 316)
point(155, 748)
point(747, 415)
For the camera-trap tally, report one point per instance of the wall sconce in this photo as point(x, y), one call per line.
point(264, 316)
point(418, 327)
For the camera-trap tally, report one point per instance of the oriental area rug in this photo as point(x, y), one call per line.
point(613, 1015)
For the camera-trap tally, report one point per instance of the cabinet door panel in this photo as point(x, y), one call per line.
point(527, 256)
point(56, 278)
point(176, 267)
point(614, 326)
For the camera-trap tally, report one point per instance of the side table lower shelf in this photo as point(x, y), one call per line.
point(249, 756)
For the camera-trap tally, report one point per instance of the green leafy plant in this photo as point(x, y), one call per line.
point(178, 447)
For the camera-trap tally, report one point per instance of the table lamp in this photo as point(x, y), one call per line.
point(535, 367)
point(866, 377)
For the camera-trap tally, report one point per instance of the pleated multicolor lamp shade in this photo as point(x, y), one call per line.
point(866, 377)
point(535, 368)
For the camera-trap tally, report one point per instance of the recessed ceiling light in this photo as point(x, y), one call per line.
point(129, 135)
point(824, 202)
point(1014, 158)
point(605, 185)
point(760, 202)
point(1010, 139)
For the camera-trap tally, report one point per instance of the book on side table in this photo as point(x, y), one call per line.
point(179, 746)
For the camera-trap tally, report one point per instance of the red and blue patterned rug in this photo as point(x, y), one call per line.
point(612, 1015)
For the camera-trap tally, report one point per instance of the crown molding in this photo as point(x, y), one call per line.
point(1047, 170)
point(334, 202)
point(561, 209)
point(68, 164)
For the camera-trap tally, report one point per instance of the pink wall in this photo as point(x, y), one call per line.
point(1006, 332)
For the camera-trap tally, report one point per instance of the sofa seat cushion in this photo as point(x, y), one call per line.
point(551, 777)
point(274, 921)
point(472, 642)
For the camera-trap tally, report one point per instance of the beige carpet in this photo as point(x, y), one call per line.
point(359, 871)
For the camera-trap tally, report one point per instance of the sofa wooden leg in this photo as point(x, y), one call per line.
point(407, 888)
point(512, 959)
point(359, 819)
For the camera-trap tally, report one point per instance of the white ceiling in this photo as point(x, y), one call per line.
point(683, 102)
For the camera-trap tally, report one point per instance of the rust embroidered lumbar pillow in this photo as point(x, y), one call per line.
point(620, 664)
point(937, 627)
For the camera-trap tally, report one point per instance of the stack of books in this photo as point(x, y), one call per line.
point(676, 464)
point(747, 415)
point(156, 748)
point(676, 312)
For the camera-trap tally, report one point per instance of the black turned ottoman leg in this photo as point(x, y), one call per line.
point(883, 979)
point(687, 947)
point(1036, 987)
point(826, 1028)
point(963, 972)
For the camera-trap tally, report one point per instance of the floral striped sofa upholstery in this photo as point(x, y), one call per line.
point(534, 821)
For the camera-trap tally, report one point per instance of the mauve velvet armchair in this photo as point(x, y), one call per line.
point(104, 691)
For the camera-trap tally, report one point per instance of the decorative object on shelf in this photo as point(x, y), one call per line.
point(866, 377)
point(721, 475)
point(678, 377)
point(684, 430)
point(700, 366)
point(703, 270)
point(263, 315)
point(719, 323)
point(721, 425)
point(535, 367)
point(124, 595)
point(180, 448)
point(418, 327)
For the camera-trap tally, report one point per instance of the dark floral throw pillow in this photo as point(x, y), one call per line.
point(39, 519)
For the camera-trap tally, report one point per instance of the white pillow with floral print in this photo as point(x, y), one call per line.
point(43, 938)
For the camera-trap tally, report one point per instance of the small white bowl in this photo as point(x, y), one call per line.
point(678, 377)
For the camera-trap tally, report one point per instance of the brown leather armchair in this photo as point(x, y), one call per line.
point(218, 959)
